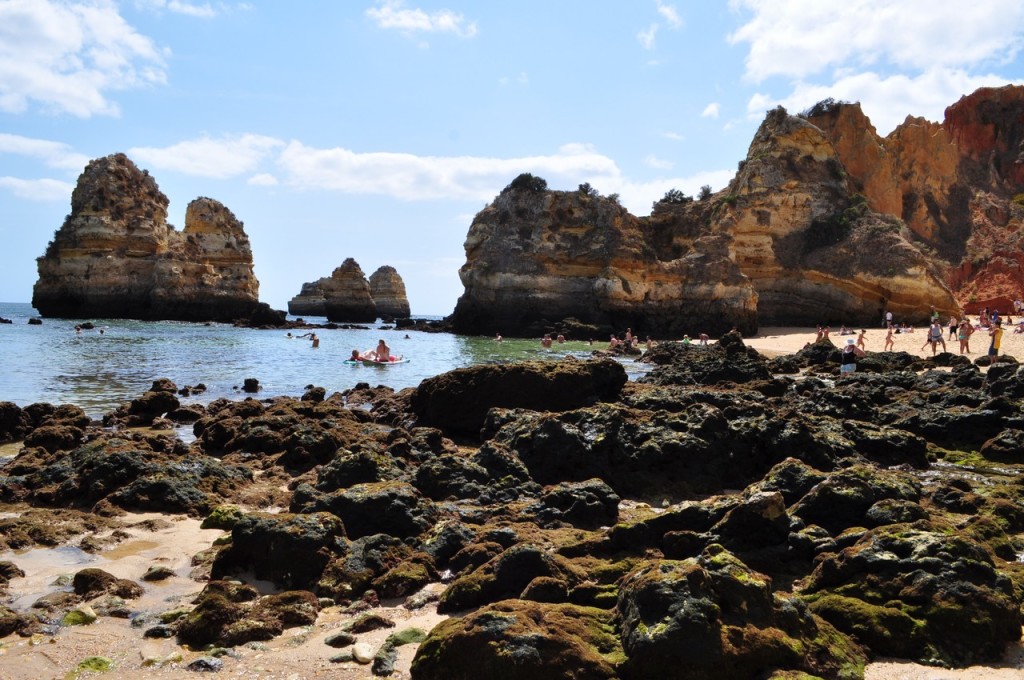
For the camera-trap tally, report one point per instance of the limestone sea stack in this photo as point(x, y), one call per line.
point(116, 256)
point(388, 292)
point(310, 300)
point(535, 257)
point(347, 294)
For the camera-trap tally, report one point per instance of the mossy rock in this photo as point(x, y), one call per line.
point(888, 631)
point(519, 640)
point(80, 616)
point(222, 517)
point(94, 664)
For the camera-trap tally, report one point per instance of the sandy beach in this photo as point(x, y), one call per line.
point(773, 341)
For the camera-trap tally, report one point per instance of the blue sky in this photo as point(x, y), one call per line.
point(377, 129)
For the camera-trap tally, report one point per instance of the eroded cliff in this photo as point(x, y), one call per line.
point(956, 184)
point(825, 221)
point(534, 257)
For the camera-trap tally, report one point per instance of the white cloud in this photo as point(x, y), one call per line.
point(711, 110)
point(67, 56)
point(409, 177)
point(638, 197)
point(205, 157)
point(646, 38)
point(886, 101)
point(263, 180)
point(53, 154)
point(38, 189)
point(653, 161)
point(670, 15)
point(801, 38)
point(202, 11)
point(392, 14)
point(674, 136)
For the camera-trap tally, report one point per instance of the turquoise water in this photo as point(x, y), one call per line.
point(51, 363)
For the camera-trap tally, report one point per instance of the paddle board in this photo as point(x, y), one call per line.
point(371, 362)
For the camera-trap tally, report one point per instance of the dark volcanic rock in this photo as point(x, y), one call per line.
point(458, 401)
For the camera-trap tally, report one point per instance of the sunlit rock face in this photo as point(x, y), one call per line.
point(956, 184)
point(388, 292)
point(825, 221)
point(344, 296)
point(117, 257)
point(812, 245)
point(535, 256)
point(347, 294)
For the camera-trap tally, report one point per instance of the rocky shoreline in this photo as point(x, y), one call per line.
point(726, 516)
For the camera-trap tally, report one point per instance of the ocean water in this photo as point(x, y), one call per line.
point(52, 363)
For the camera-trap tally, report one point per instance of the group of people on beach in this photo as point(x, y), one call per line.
point(959, 329)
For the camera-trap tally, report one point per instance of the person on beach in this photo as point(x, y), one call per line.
point(888, 318)
point(890, 342)
point(997, 337)
point(497, 337)
point(820, 334)
point(629, 336)
point(848, 362)
point(704, 339)
point(934, 337)
point(861, 342)
point(964, 336)
point(686, 339)
point(613, 342)
point(954, 324)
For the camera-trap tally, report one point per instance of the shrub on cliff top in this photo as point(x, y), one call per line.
point(527, 182)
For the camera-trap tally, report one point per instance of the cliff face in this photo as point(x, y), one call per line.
point(814, 250)
point(825, 221)
point(952, 183)
point(115, 256)
point(388, 292)
point(534, 257)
